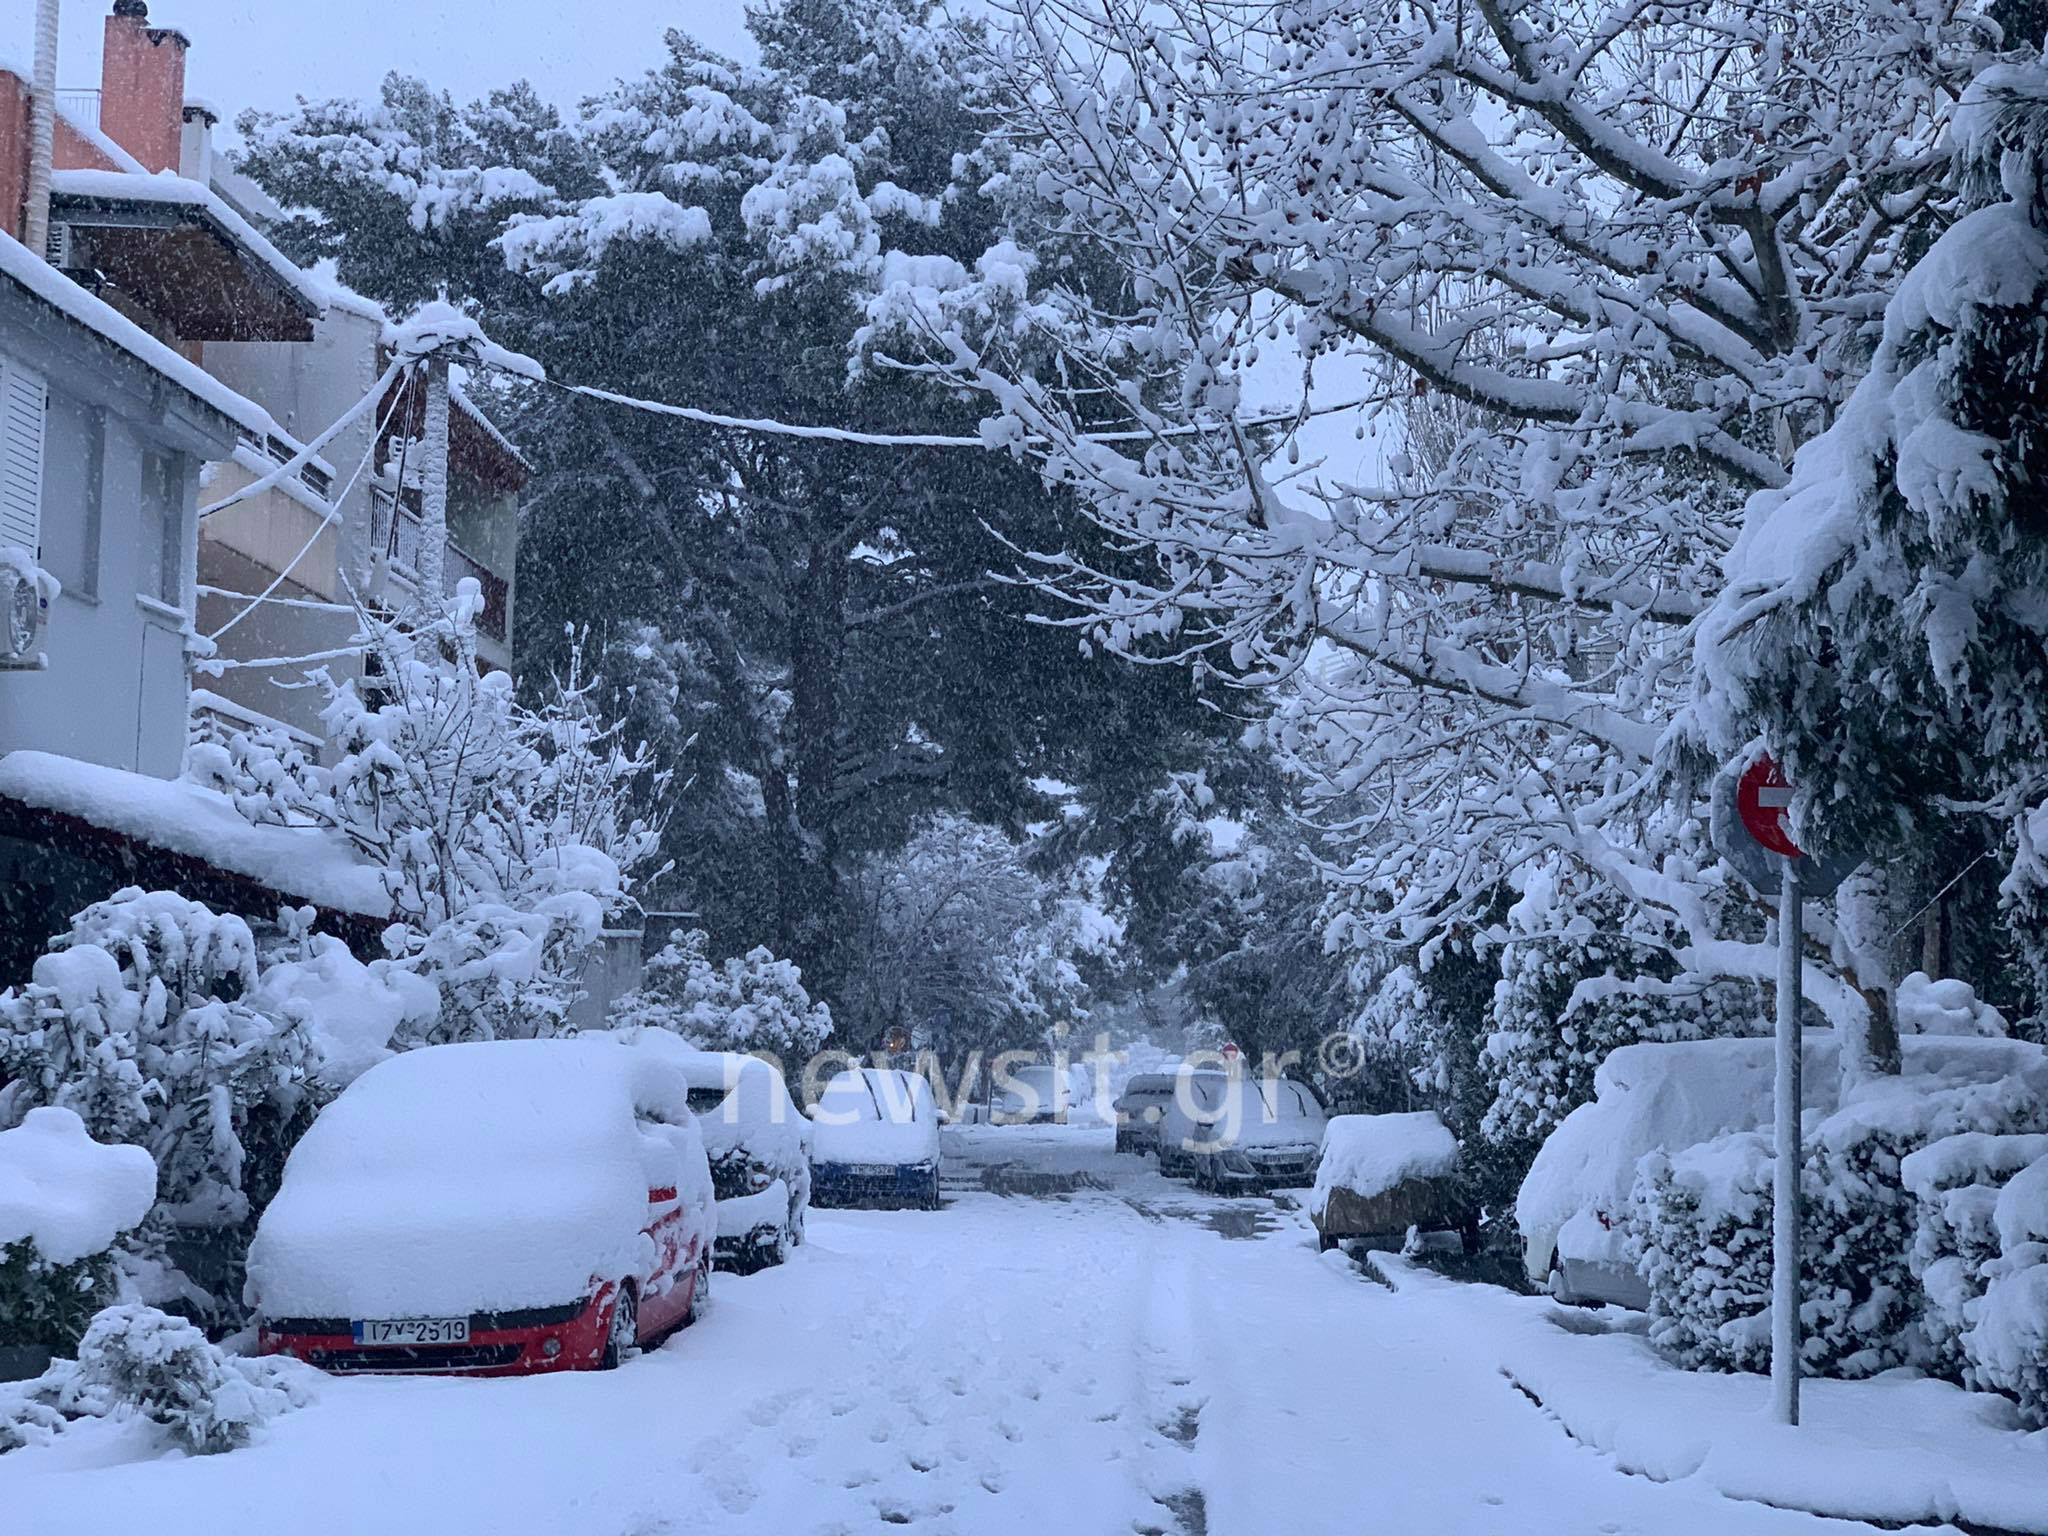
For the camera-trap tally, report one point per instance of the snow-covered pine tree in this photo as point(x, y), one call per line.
point(812, 582)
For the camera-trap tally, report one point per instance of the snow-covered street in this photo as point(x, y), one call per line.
point(1125, 1356)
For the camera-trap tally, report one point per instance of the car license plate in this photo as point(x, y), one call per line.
point(397, 1332)
point(874, 1170)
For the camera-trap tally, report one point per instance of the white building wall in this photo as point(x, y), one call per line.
point(115, 688)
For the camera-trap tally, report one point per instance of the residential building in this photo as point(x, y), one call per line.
point(108, 429)
point(145, 209)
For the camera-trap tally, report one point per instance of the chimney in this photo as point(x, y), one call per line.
point(142, 87)
point(195, 151)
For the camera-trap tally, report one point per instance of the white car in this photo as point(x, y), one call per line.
point(875, 1140)
point(1238, 1131)
point(758, 1143)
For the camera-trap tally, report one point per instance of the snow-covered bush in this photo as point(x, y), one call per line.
point(135, 1359)
point(1955, 1184)
point(2008, 1340)
point(1573, 987)
point(64, 1200)
point(505, 831)
point(1699, 1221)
point(1699, 1229)
point(751, 1003)
point(1862, 1302)
point(139, 1020)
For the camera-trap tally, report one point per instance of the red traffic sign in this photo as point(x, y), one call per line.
point(1761, 799)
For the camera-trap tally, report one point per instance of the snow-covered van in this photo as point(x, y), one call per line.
point(492, 1208)
point(1668, 1097)
point(1232, 1130)
point(875, 1140)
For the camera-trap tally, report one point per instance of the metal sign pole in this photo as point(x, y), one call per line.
point(1785, 1193)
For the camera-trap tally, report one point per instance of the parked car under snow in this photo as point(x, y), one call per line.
point(1384, 1174)
point(1141, 1108)
point(758, 1145)
point(875, 1140)
point(495, 1208)
point(1238, 1132)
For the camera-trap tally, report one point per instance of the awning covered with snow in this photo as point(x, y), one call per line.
point(181, 252)
point(168, 835)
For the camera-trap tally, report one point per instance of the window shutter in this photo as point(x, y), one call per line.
point(21, 458)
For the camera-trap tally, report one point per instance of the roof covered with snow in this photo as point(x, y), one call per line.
point(170, 191)
point(44, 282)
point(306, 863)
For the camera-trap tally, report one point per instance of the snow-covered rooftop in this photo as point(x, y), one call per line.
point(45, 282)
point(177, 192)
point(306, 863)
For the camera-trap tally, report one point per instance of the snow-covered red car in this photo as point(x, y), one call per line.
point(495, 1208)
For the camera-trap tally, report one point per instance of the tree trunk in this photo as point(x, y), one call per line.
point(1872, 1049)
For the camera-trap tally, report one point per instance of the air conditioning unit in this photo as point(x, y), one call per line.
point(59, 250)
point(24, 615)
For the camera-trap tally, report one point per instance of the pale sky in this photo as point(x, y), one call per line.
point(263, 53)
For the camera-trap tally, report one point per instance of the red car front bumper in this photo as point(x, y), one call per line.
point(523, 1343)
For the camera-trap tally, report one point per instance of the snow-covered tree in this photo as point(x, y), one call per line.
point(960, 942)
point(710, 234)
point(1638, 252)
point(507, 833)
point(1882, 630)
point(752, 1002)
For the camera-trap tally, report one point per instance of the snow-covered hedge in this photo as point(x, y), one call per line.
point(1699, 1220)
point(2008, 1339)
point(64, 1199)
point(1699, 1229)
point(1955, 1184)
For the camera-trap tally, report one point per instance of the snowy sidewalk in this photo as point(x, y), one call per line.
point(1896, 1450)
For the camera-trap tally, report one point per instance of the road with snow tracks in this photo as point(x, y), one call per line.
point(1073, 1346)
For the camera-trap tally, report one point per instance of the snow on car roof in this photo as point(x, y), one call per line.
point(752, 1108)
point(479, 1176)
point(1370, 1154)
point(876, 1114)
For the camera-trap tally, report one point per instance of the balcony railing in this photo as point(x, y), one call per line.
point(406, 543)
point(81, 105)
